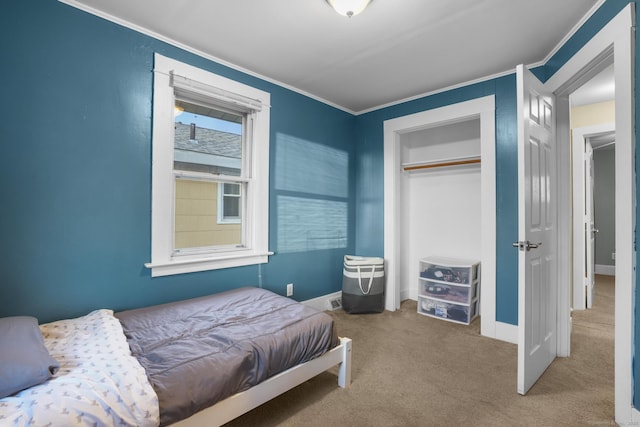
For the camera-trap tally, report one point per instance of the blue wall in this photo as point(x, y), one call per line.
point(75, 181)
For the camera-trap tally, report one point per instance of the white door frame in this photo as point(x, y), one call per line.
point(483, 108)
point(579, 137)
point(615, 38)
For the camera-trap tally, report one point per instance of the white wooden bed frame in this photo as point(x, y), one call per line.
point(241, 403)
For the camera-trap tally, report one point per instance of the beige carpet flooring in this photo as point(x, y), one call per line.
point(413, 370)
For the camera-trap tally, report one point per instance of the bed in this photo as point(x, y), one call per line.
point(199, 362)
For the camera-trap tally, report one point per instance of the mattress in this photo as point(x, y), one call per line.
point(200, 351)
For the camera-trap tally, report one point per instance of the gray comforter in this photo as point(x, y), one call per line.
point(200, 351)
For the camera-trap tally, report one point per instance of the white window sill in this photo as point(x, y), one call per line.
point(191, 265)
point(229, 221)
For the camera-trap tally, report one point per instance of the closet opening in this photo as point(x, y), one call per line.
point(441, 202)
point(440, 198)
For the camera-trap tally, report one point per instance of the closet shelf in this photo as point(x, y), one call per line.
point(456, 161)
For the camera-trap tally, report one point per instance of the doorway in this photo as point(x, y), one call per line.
point(611, 45)
point(594, 212)
point(593, 138)
point(604, 199)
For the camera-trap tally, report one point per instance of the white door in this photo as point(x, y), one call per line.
point(589, 224)
point(537, 228)
point(583, 214)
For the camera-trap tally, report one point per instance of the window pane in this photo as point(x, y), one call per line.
point(231, 207)
point(196, 216)
point(232, 189)
point(207, 139)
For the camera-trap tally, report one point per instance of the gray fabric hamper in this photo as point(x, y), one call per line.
point(363, 285)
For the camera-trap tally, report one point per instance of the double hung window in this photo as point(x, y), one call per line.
point(210, 171)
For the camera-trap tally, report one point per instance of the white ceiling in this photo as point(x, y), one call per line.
point(393, 51)
point(599, 89)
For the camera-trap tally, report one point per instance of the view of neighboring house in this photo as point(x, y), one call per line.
point(207, 213)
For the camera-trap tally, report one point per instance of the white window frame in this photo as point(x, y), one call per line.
point(220, 207)
point(164, 261)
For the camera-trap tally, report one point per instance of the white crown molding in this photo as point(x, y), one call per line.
point(437, 91)
point(150, 33)
point(497, 75)
point(571, 33)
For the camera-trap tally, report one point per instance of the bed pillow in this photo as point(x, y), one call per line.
point(24, 360)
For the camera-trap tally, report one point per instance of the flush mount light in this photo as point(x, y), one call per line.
point(349, 8)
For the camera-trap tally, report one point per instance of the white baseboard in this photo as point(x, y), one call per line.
point(607, 270)
point(635, 418)
point(503, 331)
point(322, 303)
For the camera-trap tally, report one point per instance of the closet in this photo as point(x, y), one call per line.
point(440, 196)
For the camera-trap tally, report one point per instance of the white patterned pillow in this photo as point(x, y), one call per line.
point(98, 383)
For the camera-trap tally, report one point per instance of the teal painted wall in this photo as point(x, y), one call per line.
point(75, 181)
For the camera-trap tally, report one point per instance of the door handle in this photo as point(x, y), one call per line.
point(595, 230)
point(526, 245)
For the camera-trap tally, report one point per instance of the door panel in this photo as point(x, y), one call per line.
point(537, 224)
point(589, 222)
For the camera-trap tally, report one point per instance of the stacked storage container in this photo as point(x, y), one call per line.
point(449, 289)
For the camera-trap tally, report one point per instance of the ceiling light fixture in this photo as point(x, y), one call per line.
point(349, 8)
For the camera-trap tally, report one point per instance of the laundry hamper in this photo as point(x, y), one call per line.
point(363, 284)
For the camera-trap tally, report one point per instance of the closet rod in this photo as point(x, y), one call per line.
point(438, 165)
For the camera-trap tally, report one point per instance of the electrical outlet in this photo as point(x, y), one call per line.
point(613, 255)
point(290, 289)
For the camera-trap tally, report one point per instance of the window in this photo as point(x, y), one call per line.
point(210, 171)
point(229, 203)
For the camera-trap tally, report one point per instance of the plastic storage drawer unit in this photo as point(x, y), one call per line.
point(449, 289)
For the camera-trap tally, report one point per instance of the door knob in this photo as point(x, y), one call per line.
point(526, 245)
